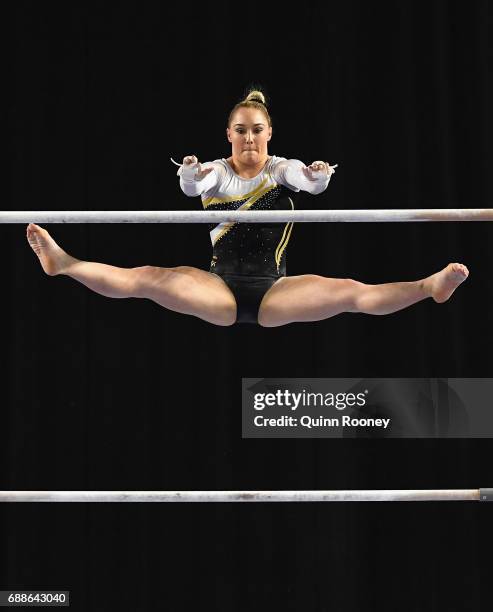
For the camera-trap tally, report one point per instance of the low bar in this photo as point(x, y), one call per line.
point(249, 496)
point(248, 216)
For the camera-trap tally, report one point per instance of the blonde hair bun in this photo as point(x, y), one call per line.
point(255, 99)
point(255, 96)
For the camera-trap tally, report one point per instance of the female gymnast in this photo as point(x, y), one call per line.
point(247, 281)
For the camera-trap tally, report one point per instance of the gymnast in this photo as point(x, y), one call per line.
point(247, 280)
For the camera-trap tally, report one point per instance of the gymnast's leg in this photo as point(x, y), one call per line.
point(183, 289)
point(312, 298)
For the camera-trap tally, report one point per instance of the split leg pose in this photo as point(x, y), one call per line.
point(205, 295)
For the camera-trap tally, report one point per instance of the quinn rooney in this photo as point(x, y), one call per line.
point(312, 422)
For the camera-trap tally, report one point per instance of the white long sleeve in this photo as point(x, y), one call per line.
point(289, 172)
point(192, 187)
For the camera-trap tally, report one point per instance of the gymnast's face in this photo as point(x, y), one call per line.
point(249, 134)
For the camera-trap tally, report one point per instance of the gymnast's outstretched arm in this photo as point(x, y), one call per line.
point(196, 178)
point(293, 174)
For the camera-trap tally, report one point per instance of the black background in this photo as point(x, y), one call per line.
point(122, 394)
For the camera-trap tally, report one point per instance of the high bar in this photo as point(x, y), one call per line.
point(249, 496)
point(249, 216)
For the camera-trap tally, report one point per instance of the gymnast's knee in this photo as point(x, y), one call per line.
point(354, 295)
point(343, 294)
point(145, 277)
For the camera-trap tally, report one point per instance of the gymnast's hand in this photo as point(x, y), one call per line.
point(319, 170)
point(193, 169)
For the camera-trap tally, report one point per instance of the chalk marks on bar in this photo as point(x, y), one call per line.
point(249, 496)
point(250, 216)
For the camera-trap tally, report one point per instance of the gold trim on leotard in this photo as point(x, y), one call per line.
point(235, 198)
point(283, 243)
point(223, 228)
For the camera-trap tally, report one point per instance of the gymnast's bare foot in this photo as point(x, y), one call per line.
point(442, 284)
point(53, 258)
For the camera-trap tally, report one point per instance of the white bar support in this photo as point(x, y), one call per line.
point(243, 496)
point(249, 216)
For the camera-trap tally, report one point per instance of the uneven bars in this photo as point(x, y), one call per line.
point(248, 216)
point(249, 496)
